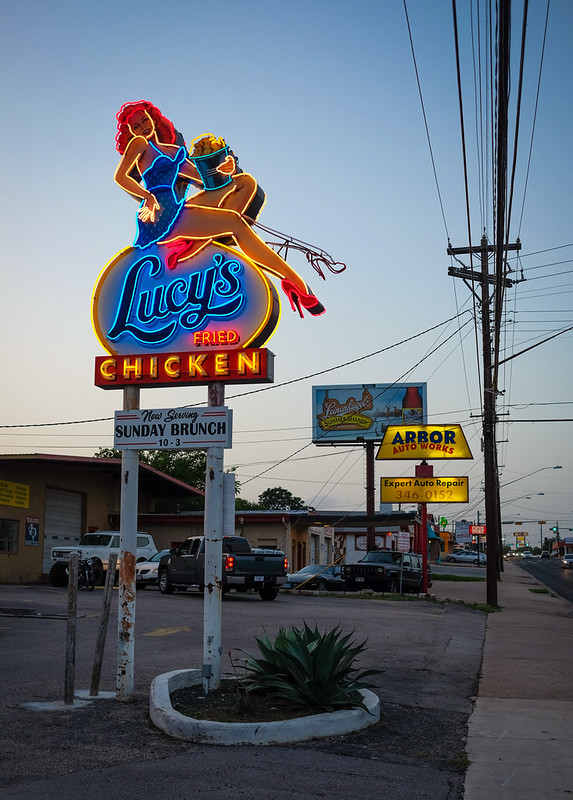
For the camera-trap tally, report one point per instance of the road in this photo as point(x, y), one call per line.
point(428, 656)
point(463, 570)
point(550, 572)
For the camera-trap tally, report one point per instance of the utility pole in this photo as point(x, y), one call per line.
point(489, 418)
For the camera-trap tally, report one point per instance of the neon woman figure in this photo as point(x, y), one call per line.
point(146, 141)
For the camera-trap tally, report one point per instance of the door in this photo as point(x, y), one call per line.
point(63, 521)
point(183, 565)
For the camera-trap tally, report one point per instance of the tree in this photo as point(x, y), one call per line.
point(185, 465)
point(279, 499)
point(246, 505)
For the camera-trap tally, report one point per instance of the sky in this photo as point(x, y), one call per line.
point(320, 102)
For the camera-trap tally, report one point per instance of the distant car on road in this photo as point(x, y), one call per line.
point(545, 554)
point(527, 554)
point(567, 561)
point(466, 557)
point(316, 576)
point(146, 571)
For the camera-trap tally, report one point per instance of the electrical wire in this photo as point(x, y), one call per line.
point(425, 120)
point(534, 118)
point(265, 388)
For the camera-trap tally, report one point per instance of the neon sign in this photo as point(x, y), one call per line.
point(154, 163)
point(179, 369)
point(180, 290)
point(216, 298)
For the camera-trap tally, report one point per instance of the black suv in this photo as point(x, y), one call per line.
point(386, 571)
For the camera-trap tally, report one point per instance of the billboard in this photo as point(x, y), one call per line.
point(424, 490)
point(361, 412)
point(415, 442)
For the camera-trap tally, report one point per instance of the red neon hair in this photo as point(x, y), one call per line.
point(164, 127)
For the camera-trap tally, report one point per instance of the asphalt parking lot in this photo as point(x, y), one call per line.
point(428, 653)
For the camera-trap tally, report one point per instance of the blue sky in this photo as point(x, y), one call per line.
point(319, 100)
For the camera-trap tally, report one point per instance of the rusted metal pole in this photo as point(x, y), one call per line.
point(213, 595)
point(127, 559)
point(370, 492)
point(424, 543)
point(424, 470)
point(102, 633)
point(69, 679)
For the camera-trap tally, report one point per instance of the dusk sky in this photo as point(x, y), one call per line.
point(320, 102)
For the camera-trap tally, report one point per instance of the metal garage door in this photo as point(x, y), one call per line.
point(63, 521)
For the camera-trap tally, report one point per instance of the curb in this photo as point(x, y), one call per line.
point(318, 726)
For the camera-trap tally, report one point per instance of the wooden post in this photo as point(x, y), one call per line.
point(102, 633)
point(70, 669)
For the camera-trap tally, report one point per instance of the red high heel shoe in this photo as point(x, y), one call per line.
point(299, 300)
point(177, 250)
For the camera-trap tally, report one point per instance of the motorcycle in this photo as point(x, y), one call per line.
point(86, 574)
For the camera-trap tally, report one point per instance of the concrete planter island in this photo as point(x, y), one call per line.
point(317, 726)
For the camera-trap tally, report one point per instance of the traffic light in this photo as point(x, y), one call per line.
point(554, 529)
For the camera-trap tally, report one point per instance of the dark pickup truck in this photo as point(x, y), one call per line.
point(386, 571)
point(243, 568)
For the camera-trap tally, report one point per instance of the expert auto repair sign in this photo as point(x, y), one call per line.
point(173, 428)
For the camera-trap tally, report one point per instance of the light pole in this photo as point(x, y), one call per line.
point(523, 497)
point(529, 474)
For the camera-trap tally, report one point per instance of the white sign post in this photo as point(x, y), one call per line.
point(208, 429)
point(127, 559)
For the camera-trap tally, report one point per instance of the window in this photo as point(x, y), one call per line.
point(9, 535)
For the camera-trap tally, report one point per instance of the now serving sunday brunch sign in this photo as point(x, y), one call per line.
point(173, 428)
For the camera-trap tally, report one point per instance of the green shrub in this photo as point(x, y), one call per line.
point(309, 668)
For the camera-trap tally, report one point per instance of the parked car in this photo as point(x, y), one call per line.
point(567, 561)
point(316, 576)
point(387, 571)
point(243, 568)
point(146, 571)
point(467, 557)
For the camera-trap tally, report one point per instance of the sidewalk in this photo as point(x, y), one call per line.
point(520, 734)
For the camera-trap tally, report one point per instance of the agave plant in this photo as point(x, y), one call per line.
point(304, 667)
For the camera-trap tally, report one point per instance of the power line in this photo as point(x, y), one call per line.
point(264, 388)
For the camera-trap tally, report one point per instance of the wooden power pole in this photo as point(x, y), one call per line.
point(489, 419)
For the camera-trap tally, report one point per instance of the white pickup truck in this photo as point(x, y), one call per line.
point(96, 545)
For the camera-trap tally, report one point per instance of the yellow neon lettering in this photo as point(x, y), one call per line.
point(107, 369)
point(222, 363)
point(173, 367)
point(196, 365)
point(132, 370)
point(153, 367)
point(246, 364)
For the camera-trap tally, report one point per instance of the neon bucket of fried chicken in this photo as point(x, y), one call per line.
point(209, 153)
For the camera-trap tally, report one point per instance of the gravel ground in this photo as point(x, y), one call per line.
point(429, 655)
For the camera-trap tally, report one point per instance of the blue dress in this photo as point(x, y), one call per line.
point(159, 179)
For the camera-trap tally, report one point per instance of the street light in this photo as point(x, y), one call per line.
point(521, 497)
point(529, 475)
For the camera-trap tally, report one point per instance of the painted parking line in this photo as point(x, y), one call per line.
point(166, 631)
